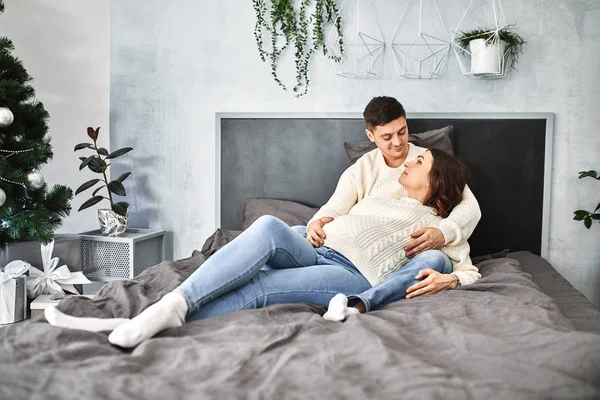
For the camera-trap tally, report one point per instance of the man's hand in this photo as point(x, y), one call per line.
point(315, 234)
point(433, 283)
point(425, 239)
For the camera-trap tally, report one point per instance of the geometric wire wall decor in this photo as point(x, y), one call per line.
point(482, 58)
point(363, 52)
point(420, 51)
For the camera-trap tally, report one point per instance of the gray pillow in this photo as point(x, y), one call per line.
point(290, 212)
point(436, 138)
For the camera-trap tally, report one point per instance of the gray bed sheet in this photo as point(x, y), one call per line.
point(575, 306)
point(500, 338)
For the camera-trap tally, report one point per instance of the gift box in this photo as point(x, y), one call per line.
point(13, 297)
point(66, 247)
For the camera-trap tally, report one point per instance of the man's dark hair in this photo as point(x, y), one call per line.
point(382, 110)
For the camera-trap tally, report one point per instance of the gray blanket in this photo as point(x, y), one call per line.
point(500, 338)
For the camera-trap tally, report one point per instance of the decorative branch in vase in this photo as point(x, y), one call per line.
point(113, 221)
point(586, 216)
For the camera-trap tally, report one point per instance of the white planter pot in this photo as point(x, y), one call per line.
point(486, 58)
point(111, 223)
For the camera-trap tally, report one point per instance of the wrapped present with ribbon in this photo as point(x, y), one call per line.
point(13, 293)
point(53, 279)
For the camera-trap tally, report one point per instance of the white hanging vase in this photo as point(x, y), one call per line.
point(487, 57)
point(111, 223)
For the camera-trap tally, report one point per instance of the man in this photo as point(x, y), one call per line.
point(386, 126)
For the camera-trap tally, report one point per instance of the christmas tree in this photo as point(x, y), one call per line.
point(28, 210)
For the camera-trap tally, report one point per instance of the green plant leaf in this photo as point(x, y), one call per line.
point(581, 213)
point(90, 202)
point(86, 162)
point(126, 174)
point(86, 186)
point(591, 173)
point(117, 188)
point(587, 222)
point(120, 208)
point(597, 207)
point(98, 165)
point(120, 152)
point(102, 151)
point(83, 146)
point(596, 216)
point(98, 189)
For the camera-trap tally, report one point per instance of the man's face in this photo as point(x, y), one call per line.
point(391, 139)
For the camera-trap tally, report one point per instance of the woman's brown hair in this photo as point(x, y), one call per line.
point(447, 180)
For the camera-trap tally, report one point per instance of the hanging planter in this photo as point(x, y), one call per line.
point(287, 26)
point(486, 58)
point(365, 45)
point(493, 52)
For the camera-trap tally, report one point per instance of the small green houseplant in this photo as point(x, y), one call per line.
point(586, 216)
point(113, 222)
point(493, 51)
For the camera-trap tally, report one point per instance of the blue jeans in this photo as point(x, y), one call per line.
point(393, 287)
point(233, 278)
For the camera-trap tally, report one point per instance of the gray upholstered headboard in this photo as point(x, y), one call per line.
point(300, 157)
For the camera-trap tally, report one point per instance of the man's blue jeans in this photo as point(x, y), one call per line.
point(393, 287)
point(270, 263)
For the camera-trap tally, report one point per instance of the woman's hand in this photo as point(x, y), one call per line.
point(433, 283)
point(315, 234)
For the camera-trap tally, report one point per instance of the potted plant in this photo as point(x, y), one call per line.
point(113, 221)
point(493, 51)
point(586, 216)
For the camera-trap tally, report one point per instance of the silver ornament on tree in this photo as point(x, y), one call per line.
point(47, 138)
point(6, 117)
point(35, 180)
point(2, 196)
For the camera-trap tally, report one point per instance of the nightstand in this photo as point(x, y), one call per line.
point(106, 259)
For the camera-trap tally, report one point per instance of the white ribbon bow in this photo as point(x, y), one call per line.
point(53, 280)
point(13, 270)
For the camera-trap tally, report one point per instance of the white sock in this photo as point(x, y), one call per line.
point(338, 309)
point(57, 318)
point(168, 312)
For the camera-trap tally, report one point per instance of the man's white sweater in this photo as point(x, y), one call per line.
point(374, 218)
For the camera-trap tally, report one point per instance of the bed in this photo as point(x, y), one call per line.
point(521, 331)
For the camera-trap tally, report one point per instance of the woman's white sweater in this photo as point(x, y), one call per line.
point(374, 218)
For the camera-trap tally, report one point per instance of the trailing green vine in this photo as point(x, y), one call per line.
point(280, 20)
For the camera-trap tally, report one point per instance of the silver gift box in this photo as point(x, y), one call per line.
point(66, 247)
point(13, 300)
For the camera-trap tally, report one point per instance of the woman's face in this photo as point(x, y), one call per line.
point(416, 173)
